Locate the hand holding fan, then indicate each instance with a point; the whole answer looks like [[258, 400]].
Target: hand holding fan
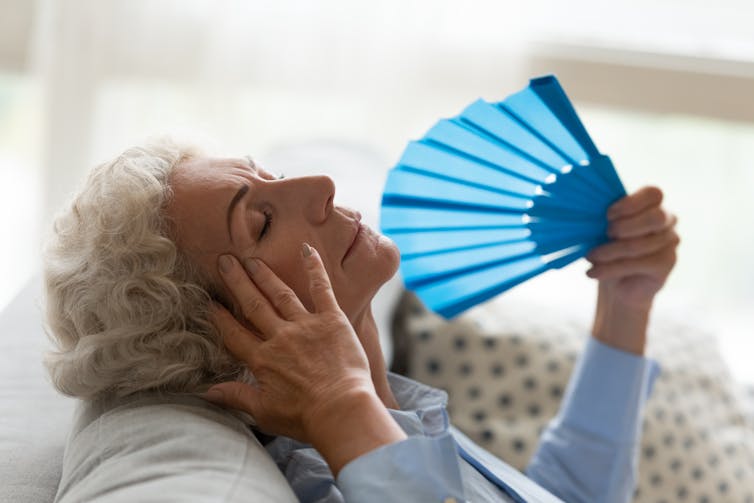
[[495, 196]]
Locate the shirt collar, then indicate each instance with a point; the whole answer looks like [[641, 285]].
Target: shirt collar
[[422, 407], [413, 395]]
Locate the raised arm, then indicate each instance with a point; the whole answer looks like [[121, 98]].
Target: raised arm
[[588, 452]]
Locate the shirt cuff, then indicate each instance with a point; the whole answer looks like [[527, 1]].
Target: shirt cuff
[[418, 468], [607, 391]]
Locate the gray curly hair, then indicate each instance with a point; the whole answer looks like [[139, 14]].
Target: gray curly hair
[[127, 311]]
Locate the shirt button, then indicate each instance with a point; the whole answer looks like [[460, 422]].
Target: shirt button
[[450, 500]]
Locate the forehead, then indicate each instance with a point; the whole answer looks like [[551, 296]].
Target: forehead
[[210, 172]]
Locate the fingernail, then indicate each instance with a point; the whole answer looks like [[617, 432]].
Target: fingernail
[[250, 265], [306, 250], [226, 263], [213, 395]]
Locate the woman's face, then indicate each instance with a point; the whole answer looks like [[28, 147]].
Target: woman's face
[[229, 206]]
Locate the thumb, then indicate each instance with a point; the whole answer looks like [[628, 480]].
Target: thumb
[[233, 395]]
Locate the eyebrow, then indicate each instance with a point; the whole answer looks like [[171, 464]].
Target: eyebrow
[[233, 202]]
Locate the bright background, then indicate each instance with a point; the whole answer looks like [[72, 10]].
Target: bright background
[[666, 87]]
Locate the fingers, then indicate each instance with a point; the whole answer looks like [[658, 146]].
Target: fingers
[[254, 305], [649, 221], [233, 395], [658, 265], [281, 295], [319, 282], [633, 247], [637, 202], [241, 343]]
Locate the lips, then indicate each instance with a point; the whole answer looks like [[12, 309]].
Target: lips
[[357, 232]]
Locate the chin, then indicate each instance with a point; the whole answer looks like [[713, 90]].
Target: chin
[[381, 265], [389, 253]]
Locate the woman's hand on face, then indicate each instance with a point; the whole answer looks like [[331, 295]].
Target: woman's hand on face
[[306, 364], [634, 266]]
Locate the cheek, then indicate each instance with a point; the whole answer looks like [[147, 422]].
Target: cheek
[[290, 269], [352, 288]]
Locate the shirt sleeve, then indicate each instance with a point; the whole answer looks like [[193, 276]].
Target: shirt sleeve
[[418, 468], [588, 452]]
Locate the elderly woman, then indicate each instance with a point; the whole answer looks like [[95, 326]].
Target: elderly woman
[[166, 258]]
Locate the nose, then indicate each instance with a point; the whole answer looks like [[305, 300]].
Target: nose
[[313, 194]]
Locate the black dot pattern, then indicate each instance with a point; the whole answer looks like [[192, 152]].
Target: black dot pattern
[[530, 383], [480, 416], [460, 343], [556, 391], [507, 371], [465, 369], [497, 369], [505, 400], [433, 366]]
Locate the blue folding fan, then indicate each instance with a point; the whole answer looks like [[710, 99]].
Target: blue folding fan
[[495, 196]]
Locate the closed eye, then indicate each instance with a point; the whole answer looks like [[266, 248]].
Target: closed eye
[[266, 225], [267, 214]]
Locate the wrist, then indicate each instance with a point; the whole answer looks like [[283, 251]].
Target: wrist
[[349, 426], [621, 325]]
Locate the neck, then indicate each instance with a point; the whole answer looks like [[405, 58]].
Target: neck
[[366, 330]]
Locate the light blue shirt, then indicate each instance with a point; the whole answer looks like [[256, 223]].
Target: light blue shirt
[[586, 454]]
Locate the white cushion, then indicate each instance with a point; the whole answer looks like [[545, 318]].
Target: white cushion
[[181, 449], [34, 419], [153, 448], [505, 366]]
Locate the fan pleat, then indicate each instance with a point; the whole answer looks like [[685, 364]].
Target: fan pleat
[[425, 187], [445, 240], [503, 127], [397, 219], [430, 159], [603, 166], [460, 138], [534, 114], [550, 92], [456, 294], [572, 187], [427, 269]]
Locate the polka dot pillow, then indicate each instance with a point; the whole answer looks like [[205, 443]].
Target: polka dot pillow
[[505, 367]]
